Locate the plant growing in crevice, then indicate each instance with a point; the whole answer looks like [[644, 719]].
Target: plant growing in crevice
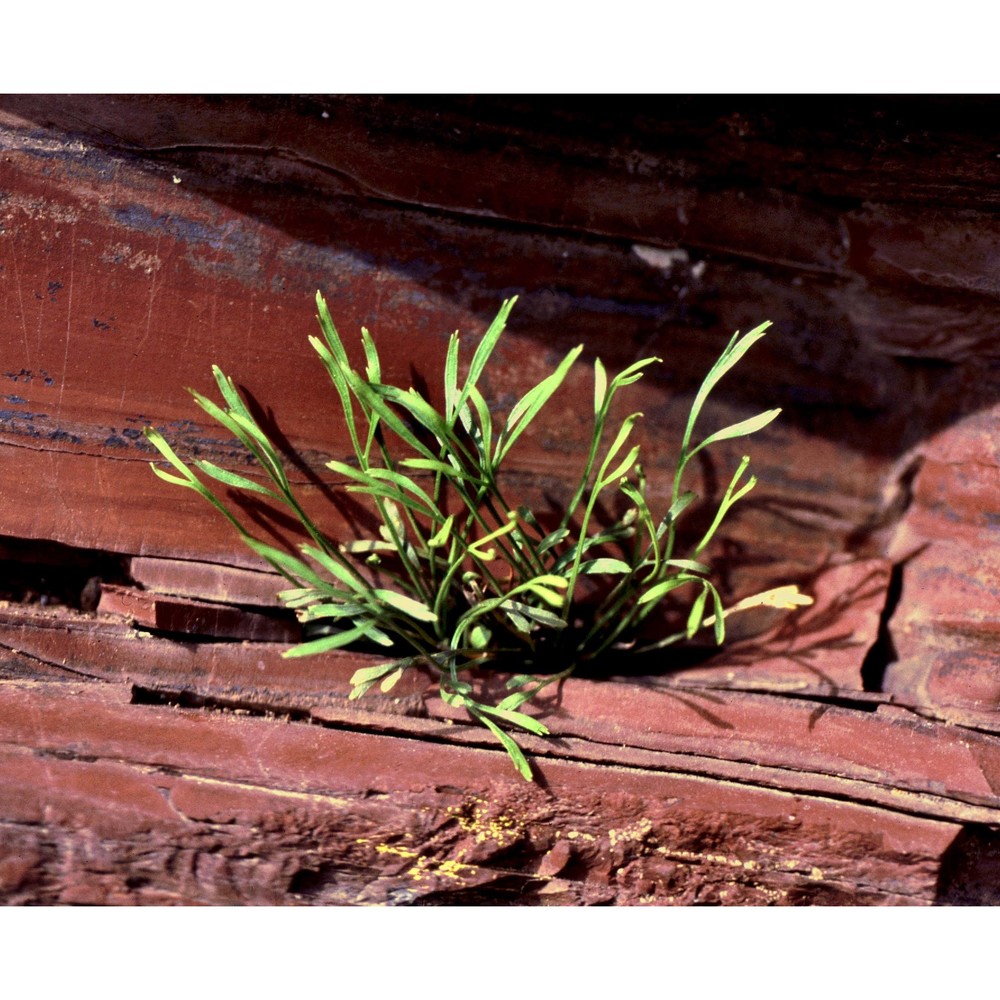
[[458, 578]]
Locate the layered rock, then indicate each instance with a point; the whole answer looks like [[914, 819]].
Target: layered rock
[[143, 239]]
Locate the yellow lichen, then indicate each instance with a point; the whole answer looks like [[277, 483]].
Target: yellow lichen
[[634, 832], [399, 851], [503, 829], [429, 868]]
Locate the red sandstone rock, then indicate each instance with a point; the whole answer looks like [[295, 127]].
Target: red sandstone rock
[[660, 231], [208, 581], [817, 649], [172, 614], [196, 808], [946, 629]]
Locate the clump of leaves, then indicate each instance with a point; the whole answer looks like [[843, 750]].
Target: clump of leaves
[[457, 578]]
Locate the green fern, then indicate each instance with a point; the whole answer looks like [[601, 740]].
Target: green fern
[[458, 579]]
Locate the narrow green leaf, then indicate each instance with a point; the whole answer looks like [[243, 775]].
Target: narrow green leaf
[[744, 489], [460, 687], [519, 681], [479, 636], [228, 389], [528, 407], [633, 373], [390, 682], [390, 493], [406, 485], [515, 719], [368, 675], [232, 479], [436, 465], [369, 396], [333, 340], [679, 506], [636, 496], [513, 750], [719, 625], [689, 564], [538, 585], [365, 546], [440, 537], [568, 558], [483, 435], [342, 609], [730, 497], [365, 674], [539, 615], [346, 575], [232, 420], [600, 385], [526, 515], [623, 432], [696, 613], [373, 371], [394, 524], [329, 361], [484, 350], [451, 379], [169, 477], [295, 597], [660, 590], [520, 623], [415, 404], [326, 643], [551, 597], [159, 442], [409, 606], [553, 538], [289, 563], [734, 350], [605, 565], [476, 548], [375, 634], [456, 697], [741, 429], [335, 369], [534, 399], [378, 482], [622, 467]]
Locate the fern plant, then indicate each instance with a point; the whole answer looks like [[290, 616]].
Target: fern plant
[[457, 578]]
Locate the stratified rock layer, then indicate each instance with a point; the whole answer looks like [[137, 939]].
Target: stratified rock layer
[[162, 750]]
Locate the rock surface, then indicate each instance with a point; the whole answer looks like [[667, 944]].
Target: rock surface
[[163, 750]]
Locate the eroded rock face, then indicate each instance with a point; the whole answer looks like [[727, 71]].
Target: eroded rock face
[[143, 239], [946, 627], [105, 801]]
